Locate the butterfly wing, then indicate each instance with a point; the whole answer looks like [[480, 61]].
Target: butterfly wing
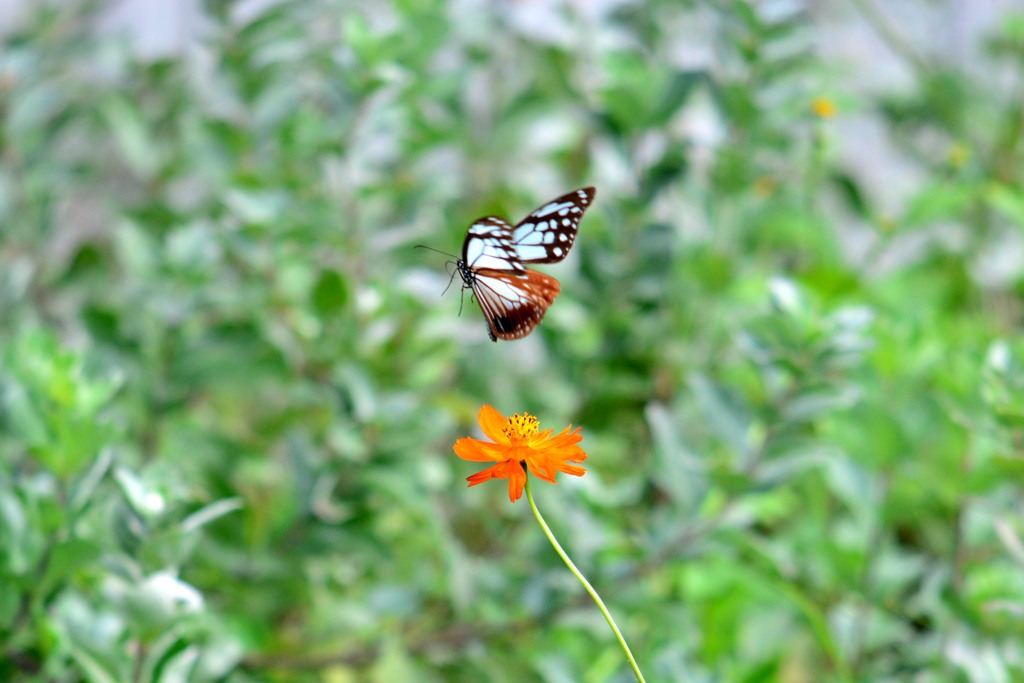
[[513, 303], [489, 245], [547, 234]]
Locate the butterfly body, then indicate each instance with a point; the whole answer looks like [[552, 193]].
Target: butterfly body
[[514, 298]]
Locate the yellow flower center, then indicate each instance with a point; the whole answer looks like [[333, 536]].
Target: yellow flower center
[[823, 107], [520, 427]]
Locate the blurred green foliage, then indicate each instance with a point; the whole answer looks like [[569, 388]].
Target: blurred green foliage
[[229, 388]]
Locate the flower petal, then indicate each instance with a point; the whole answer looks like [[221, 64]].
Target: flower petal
[[495, 472], [508, 469], [516, 482], [493, 424], [542, 470], [563, 439], [568, 454], [469, 448], [546, 467], [553, 455]]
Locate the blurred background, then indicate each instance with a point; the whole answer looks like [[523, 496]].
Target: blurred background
[[790, 330]]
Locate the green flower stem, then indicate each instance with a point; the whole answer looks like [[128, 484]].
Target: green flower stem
[[583, 580]]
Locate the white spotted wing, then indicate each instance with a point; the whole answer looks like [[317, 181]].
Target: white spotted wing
[[547, 234], [512, 297]]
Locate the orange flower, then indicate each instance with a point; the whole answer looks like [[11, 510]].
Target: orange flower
[[516, 445]]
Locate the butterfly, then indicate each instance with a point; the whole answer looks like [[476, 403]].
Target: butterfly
[[512, 297]]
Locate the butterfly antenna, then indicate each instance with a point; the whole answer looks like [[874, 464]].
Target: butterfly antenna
[[423, 246]]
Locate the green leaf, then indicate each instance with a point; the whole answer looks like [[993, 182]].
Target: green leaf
[[330, 294], [1008, 201], [132, 134], [941, 202]]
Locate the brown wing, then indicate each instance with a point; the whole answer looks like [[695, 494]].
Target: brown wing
[[513, 303], [547, 234]]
